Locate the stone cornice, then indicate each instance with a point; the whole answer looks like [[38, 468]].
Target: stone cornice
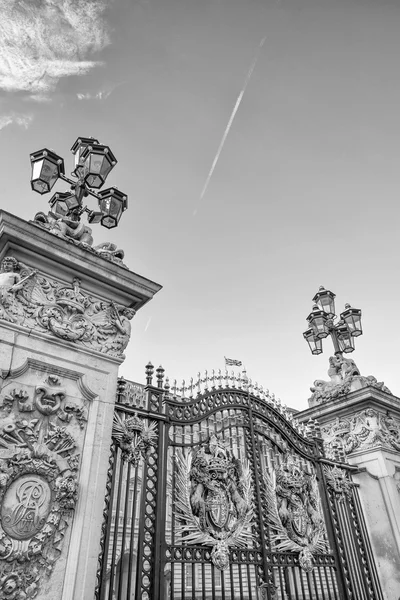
[[59, 258], [359, 399]]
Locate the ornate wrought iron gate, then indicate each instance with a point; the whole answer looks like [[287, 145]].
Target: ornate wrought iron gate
[[219, 494]]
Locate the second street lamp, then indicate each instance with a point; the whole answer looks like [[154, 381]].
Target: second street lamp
[[322, 324]]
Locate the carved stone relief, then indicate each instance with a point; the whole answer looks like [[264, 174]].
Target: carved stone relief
[[73, 230], [65, 311], [344, 378], [294, 512], [39, 463], [364, 430]]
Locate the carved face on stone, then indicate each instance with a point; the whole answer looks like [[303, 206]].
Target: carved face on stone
[[9, 265]]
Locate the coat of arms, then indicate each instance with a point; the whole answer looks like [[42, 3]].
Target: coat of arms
[[214, 499], [293, 512]]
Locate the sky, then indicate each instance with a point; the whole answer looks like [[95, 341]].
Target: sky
[[305, 192]]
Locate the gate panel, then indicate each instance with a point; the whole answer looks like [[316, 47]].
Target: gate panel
[[221, 497]]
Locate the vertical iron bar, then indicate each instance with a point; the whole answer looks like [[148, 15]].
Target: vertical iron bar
[[329, 527], [203, 577], [116, 526], [142, 519], [128, 474], [159, 537], [103, 584], [328, 587], [132, 538], [240, 579], [232, 580], [302, 583], [255, 450]]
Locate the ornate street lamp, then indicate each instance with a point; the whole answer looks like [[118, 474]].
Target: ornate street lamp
[[322, 323], [47, 167], [92, 165]]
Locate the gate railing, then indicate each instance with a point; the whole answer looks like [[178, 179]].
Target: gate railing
[[143, 555]]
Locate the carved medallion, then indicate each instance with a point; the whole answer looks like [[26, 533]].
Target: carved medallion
[[25, 507], [39, 461], [214, 499]]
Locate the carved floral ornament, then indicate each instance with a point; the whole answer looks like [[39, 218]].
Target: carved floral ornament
[[344, 378], [364, 430], [294, 512], [214, 499], [65, 311], [40, 431]]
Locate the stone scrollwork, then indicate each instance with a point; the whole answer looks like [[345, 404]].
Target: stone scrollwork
[[134, 436], [214, 499], [39, 462], [294, 513], [65, 311], [344, 378], [364, 430], [338, 482]]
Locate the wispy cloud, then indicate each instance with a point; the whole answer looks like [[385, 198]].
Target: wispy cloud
[[21, 120], [42, 41], [102, 94], [99, 96]]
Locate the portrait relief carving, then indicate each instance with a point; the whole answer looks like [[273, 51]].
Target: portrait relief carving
[[64, 310], [39, 464]]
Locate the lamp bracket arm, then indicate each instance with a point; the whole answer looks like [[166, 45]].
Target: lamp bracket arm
[[67, 179], [92, 193]]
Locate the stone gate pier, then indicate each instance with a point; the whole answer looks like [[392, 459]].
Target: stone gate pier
[[359, 419], [65, 312]]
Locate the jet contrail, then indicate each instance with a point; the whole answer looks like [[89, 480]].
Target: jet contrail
[[235, 109]]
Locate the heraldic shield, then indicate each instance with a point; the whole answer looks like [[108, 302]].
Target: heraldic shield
[[214, 499]]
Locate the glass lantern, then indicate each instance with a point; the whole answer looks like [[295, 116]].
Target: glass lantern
[[345, 339], [314, 343], [352, 318], [318, 322], [58, 205], [112, 204], [46, 169], [77, 150], [97, 161], [326, 300], [64, 203]]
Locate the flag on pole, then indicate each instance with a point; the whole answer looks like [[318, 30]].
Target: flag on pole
[[230, 362]]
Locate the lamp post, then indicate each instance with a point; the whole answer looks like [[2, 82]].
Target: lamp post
[[93, 163], [321, 322]]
